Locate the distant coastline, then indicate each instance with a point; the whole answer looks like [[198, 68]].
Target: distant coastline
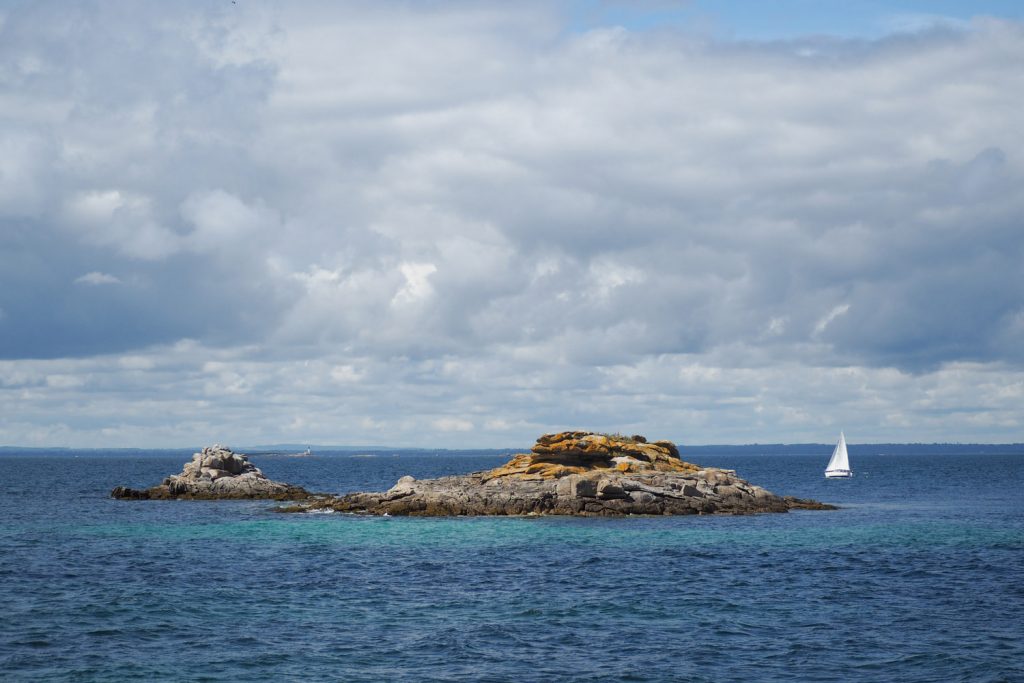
[[880, 448]]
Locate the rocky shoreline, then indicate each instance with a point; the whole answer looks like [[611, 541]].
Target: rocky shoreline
[[568, 473], [574, 473], [216, 473]]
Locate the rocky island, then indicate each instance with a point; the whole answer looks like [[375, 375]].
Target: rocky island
[[574, 473], [216, 473]]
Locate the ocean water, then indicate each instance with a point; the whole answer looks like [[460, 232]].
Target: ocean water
[[919, 577]]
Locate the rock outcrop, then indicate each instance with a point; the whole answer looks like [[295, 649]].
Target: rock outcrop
[[575, 473], [216, 473]]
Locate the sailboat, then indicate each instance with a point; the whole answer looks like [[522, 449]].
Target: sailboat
[[839, 464]]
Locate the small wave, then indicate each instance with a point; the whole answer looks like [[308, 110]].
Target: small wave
[[104, 632], [34, 643]]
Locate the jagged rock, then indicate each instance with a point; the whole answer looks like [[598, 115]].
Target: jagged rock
[[216, 473], [608, 488], [575, 473], [576, 486]]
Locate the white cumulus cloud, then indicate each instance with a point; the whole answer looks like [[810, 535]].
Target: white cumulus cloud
[[98, 278], [385, 214]]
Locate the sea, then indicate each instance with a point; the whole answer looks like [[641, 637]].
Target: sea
[[919, 576]]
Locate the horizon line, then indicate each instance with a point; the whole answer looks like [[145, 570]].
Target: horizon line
[[328, 447]]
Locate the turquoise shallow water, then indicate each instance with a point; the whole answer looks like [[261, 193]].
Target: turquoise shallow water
[[920, 577]]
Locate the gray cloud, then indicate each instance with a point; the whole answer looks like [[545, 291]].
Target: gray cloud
[[465, 215]]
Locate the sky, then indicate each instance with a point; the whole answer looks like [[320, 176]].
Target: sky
[[463, 224]]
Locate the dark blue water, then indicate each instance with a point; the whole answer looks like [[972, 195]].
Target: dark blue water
[[920, 577]]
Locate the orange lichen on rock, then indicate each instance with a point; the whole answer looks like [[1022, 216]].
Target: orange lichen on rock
[[574, 473], [565, 453]]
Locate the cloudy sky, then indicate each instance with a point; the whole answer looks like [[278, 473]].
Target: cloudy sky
[[462, 224]]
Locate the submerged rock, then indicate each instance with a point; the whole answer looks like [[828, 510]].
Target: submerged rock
[[216, 473], [575, 473]]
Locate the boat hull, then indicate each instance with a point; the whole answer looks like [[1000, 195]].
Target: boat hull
[[839, 474]]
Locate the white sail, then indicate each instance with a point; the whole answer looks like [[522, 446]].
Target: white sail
[[839, 464]]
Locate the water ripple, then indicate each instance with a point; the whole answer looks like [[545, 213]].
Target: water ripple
[[890, 589]]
